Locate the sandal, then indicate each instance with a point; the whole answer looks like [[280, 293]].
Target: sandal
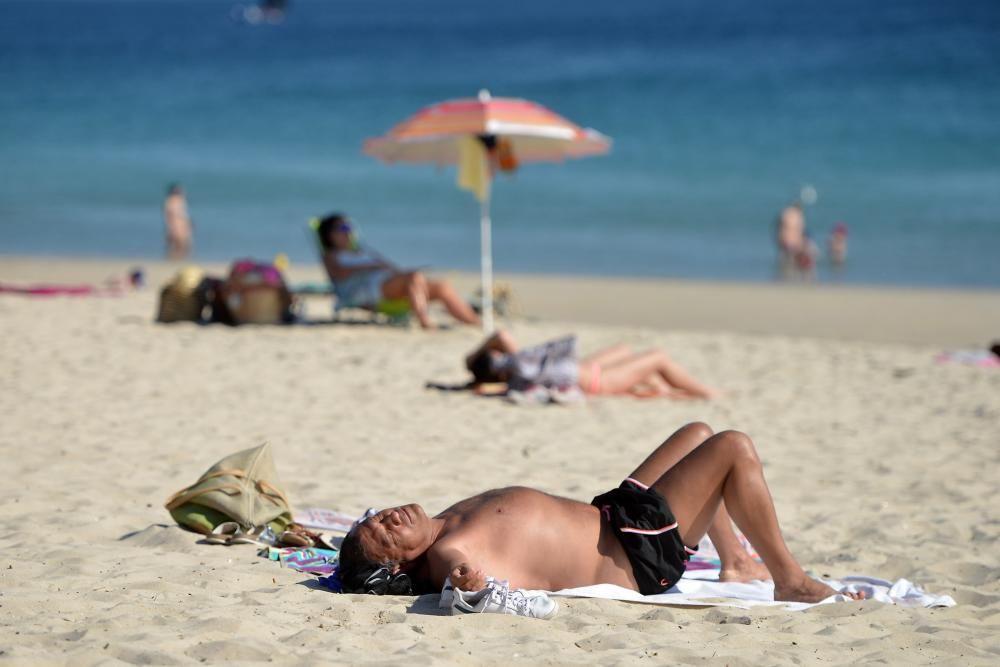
[[297, 535], [223, 533], [229, 533]]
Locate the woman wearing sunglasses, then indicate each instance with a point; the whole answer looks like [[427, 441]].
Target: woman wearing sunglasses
[[362, 277]]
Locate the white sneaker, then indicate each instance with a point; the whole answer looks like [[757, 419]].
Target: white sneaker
[[497, 598], [447, 593]]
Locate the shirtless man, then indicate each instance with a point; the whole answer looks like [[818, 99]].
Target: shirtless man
[[638, 536], [177, 223]]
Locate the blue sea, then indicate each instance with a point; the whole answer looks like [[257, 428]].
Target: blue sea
[[720, 112]]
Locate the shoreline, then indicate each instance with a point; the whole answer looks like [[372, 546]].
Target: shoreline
[[939, 316], [304, 263]]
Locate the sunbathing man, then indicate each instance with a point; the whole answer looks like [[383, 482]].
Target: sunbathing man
[[614, 370], [638, 536]]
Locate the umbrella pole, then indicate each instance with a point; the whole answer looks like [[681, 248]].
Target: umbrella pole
[[486, 263]]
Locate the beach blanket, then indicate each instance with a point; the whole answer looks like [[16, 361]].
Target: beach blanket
[[980, 358], [312, 560], [324, 519], [45, 290], [707, 558]]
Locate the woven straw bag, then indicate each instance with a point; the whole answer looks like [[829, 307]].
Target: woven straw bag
[[256, 293], [180, 299], [243, 487]]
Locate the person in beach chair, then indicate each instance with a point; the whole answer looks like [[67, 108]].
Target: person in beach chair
[[363, 278], [638, 536], [551, 368]]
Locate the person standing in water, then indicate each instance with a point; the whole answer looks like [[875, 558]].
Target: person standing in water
[[837, 245], [790, 237], [177, 223]]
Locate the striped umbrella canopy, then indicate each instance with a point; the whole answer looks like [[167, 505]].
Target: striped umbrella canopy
[[431, 136], [435, 135]]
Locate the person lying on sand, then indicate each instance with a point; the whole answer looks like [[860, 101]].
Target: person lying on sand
[[615, 370], [638, 536]]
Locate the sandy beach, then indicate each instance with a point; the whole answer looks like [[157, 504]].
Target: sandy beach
[[881, 462]]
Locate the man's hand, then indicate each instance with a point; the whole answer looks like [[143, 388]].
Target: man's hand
[[467, 578]]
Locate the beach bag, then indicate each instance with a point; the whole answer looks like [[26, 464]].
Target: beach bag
[[181, 300], [243, 487], [256, 293]]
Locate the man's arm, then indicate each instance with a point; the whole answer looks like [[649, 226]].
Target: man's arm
[[467, 578], [452, 562]]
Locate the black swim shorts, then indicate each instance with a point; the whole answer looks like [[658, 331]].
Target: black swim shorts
[[647, 530]]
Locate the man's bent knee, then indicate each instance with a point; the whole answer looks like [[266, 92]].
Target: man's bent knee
[[701, 429], [740, 445]]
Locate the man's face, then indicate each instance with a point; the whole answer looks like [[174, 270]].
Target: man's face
[[397, 534]]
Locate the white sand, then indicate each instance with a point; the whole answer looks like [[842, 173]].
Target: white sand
[[880, 461]]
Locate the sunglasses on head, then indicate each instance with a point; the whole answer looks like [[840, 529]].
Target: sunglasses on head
[[369, 513], [345, 227]]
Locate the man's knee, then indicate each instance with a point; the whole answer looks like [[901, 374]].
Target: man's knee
[[740, 447], [699, 429]]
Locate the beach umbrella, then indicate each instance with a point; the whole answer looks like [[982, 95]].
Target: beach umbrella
[[480, 135]]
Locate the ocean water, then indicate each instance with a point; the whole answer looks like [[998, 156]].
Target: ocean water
[[720, 112]]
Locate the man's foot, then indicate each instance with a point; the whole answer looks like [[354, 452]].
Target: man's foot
[[810, 590], [745, 569]]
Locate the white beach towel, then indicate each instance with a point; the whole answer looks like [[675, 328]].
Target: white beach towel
[[702, 588]]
